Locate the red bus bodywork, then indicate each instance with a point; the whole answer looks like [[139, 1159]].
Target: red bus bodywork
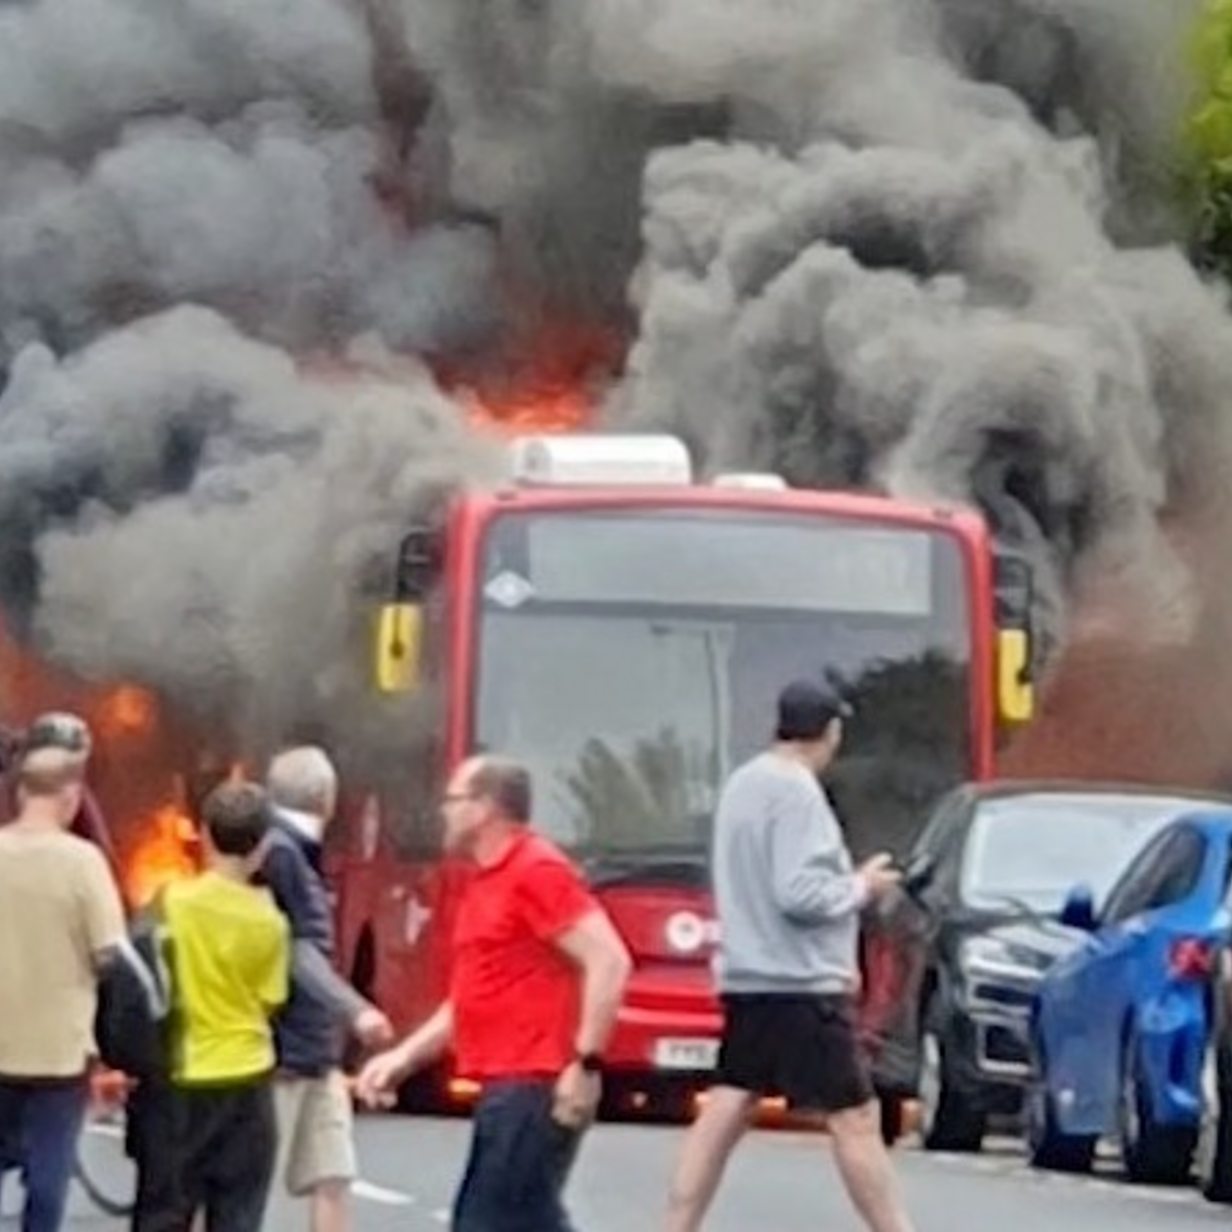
[[395, 915]]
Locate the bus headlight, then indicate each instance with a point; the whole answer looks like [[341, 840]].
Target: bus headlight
[[685, 932]]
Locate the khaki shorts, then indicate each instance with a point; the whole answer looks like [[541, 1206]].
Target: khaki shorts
[[316, 1141]]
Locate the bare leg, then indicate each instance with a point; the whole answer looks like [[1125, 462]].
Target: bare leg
[[707, 1147], [331, 1207], [864, 1164]]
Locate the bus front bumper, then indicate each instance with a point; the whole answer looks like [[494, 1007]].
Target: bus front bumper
[[672, 1044], [669, 1026]]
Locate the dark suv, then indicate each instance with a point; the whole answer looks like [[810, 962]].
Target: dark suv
[[966, 947]]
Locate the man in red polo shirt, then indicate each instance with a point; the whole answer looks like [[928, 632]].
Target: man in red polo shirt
[[538, 976]]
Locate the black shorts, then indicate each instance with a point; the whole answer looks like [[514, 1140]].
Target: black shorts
[[801, 1048]]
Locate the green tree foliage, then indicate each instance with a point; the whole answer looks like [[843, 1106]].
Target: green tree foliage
[[648, 799], [906, 745], [1208, 133]]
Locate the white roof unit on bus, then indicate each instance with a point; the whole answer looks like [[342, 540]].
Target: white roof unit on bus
[[754, 481], [586, 461]]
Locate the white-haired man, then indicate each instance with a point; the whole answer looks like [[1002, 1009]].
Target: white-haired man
[[316, 1139]]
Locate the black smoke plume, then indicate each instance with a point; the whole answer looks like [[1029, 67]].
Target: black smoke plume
[[922, 247]]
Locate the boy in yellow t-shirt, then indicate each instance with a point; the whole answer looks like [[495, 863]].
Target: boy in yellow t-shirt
[[230, 958]]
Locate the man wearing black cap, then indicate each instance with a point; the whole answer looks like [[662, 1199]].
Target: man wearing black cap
[[789, 902]]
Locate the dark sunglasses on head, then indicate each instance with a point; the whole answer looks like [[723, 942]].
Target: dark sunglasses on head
[[58, 731]]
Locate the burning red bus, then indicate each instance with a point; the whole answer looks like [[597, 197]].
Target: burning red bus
[[623, 630]]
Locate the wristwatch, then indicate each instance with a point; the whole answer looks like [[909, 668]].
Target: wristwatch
[[591, 1062]]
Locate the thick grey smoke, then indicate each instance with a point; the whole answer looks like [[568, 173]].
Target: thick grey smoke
[[206, 517], [182, 504], [921, 293], [939, 327], [892, 243], [224, 154], [924, 247], [546, 110]]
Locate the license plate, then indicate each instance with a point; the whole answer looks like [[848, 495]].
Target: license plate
[[696, 1054]]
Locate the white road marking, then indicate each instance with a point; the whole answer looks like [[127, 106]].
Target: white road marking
[[378, 1193], [441, 1216]]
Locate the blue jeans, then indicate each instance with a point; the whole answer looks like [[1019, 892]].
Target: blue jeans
[[519, 1162], [39, 1127]]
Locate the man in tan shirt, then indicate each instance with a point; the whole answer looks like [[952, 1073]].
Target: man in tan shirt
[[60, 920]]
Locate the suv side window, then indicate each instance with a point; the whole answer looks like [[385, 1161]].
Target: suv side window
[[942, 827], [942, 843]]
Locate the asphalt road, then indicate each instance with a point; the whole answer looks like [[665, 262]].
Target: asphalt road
[[780, 1182]]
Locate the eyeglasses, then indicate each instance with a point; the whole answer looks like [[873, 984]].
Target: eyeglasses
[[456, 797]]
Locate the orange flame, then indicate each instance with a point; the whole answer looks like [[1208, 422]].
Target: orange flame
[[126, 711], [168, 847], [547, 380], [564, 410], [550, 381], [164, 853], [138, 749]]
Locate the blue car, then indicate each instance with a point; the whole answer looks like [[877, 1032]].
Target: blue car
[[1120, 1024]]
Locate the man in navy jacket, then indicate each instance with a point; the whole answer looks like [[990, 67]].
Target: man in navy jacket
[[316, 1139]]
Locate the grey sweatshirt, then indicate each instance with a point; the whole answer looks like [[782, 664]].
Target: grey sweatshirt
[[788, 901]]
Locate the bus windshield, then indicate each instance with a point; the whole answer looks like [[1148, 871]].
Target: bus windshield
[[631, 659]]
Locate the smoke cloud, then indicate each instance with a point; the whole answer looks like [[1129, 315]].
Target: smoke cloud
[[923, 293], [194, 198], [925, 248], [183, 507], [157, 154]]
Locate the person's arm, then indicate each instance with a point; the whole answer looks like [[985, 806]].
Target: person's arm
[[102, 912], [293, 883], [561, 911], [301, 898], [382, 1074], [595, 946], [314, 973], [812, 876], [428, 1043]]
